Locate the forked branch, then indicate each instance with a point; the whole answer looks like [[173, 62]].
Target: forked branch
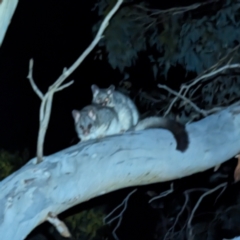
[[46, 104]]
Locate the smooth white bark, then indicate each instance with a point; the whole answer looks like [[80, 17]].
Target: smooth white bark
[[93, 168], [7, 8]]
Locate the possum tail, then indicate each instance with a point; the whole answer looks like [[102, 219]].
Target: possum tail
[[178, 130]]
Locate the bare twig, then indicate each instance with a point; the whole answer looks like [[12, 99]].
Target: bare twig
[[30, 77], [189, 227], [46, 104], [163, 194], [59, 225], [177, 218], [65, 86], [184, 98], [184, 89], [222, 60], [153, 19], [176, 10], [171, 229], [119, 216], [207, 75], [219, 195]]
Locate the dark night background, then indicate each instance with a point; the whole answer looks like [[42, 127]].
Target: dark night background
[[54, 34]]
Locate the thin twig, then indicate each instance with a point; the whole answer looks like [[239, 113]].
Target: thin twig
[[184, 89], [30, 77], [120, 215], [65, 86], [176, 10], [236, 65], [189, 227], [114, 210], [209, 72], [184, 98], [177, 218], [163, 194], [59, 225]]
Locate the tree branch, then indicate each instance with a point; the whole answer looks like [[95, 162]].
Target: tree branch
[[189, 226], [33, 84], [96, 167], [184, 98], [59, 225], [46, 105], [184, 88]]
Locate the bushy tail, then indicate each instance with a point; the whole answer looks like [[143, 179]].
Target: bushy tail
[[177, 129]]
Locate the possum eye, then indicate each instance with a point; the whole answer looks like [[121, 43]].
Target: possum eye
[[81, 127], [89, 126]]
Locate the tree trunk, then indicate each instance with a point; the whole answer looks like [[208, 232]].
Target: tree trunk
[[7, 8]]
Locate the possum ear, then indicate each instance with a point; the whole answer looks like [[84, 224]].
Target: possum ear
[[92, 115], [76, 115], [111, 88], [95, 89]]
